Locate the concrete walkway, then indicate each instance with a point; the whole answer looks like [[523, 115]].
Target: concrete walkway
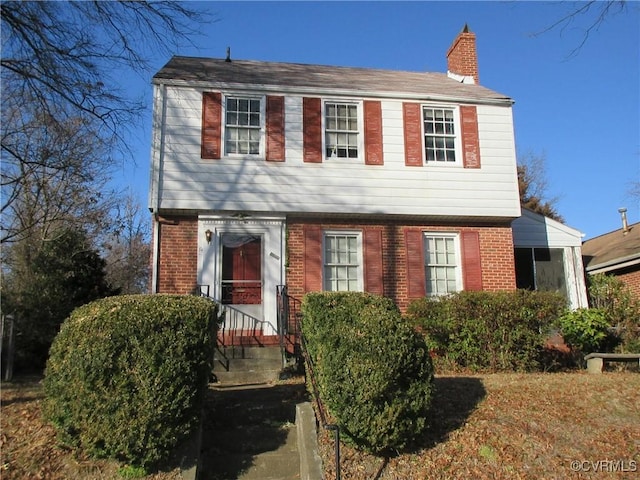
[[249, 433]]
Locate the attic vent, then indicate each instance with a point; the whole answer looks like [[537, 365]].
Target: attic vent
[[228, 59]]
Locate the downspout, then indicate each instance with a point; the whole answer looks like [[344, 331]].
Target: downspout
[[157, 156], [155, 262]]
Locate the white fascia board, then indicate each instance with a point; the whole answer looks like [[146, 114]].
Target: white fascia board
[[616, 264], [297, 90]]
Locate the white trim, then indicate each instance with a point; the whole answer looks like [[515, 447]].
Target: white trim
[[615, 264], [360, 116], [457, 125], [456, 239], [209, 267], [261, 155], [358, 235]]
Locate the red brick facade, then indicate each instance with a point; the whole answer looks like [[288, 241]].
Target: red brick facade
[[495, 243], [387, 268], [462, 57], [631, 278], [177, 255]]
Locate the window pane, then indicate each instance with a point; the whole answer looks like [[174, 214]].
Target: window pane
[[243, 122], [439, 134], [341, 130], [440, 264], [342, 262]]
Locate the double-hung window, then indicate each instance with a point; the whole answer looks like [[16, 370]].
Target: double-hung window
[[342, 261], [342, 135], [440, 133], [243, 125], [442, 263]]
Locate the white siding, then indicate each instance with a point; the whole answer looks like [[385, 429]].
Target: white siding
[[185, 181], [534, 230]]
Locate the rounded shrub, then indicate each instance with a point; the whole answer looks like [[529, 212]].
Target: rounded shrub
[[126, 375], [374, 370]]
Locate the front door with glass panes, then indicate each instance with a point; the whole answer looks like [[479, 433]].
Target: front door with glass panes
[[241, 269]]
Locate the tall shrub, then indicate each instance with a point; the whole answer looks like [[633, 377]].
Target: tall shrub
[[622, 311], [374, 371], [126, 375]]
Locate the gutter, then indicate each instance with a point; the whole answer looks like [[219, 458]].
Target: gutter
[[615, 264]]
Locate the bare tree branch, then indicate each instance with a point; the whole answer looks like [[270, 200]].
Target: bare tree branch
[[594, 12]]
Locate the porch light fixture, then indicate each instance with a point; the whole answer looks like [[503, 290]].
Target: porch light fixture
[[207, 235]]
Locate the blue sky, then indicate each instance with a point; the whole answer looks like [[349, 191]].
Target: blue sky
[[581, 111]]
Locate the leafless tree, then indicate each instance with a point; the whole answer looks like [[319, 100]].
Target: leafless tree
[[587, 16], [61, 69], [127, 250], [533, 185], [54, 173]]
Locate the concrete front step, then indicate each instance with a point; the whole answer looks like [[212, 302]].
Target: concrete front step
[[247, 365]]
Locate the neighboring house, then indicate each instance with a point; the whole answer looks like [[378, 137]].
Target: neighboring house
[[331, 178], [548, 257], [616, 253]]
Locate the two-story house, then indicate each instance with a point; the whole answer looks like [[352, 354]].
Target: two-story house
[[330, 178]]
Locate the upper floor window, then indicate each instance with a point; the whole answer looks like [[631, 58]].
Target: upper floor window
[[343, 261], [341, 130], [243, 125], [442, 263], [439, 134]]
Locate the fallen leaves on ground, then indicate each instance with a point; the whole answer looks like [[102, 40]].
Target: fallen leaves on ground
[[515, 426], [28, 447]]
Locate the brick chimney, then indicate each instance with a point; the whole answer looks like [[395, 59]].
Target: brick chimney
[[462, 59]]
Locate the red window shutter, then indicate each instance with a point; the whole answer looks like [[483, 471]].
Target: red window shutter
[[373, 133], [211, 120], [373, 273], [275, 128], [312, 129], [312, 259], [470, 138], [471, 264], [412, 134], [416, 280]]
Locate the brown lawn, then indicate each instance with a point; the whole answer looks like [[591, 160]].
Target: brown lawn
[[501, 426], [517, 426]]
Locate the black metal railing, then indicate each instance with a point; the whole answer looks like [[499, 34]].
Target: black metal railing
[[289, 317]]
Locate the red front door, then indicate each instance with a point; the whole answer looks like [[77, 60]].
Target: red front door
[[241, 269]]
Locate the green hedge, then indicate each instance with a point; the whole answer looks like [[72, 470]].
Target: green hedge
[[374, 372], [488, 331], [126, 375]]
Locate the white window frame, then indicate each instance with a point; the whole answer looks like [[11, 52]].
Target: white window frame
[[262, 128], [360, 133], [457, 125], [427, 266], [360, 267]]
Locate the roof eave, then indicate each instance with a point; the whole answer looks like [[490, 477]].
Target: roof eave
[[615, 264], [301, 90]]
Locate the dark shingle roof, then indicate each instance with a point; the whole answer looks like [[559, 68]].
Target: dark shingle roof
[[612, 248], [321, 77]]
